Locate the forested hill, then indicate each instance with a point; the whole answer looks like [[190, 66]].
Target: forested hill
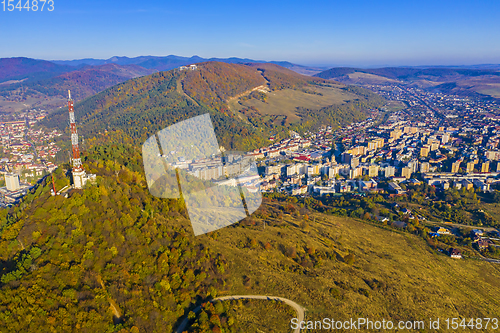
[[84, 82], [114, 258], [144, 105], [26, 68]]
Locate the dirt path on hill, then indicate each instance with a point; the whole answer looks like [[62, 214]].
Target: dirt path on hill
[[181, 91], [299, 309]]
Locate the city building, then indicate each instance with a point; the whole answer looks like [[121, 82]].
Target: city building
[[424, 167], [395, 134], [12, 182], [445, 138], [485, 167], [389, 171], [406, 172], [424, 151], [492, 155], [470, 167], [355, 172], [373, 170], [455, 166], [413, 165]]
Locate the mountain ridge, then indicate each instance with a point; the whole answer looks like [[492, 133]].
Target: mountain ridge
[[48, 88], [27, 68], [26, 83], [88, 80], [164, 62]]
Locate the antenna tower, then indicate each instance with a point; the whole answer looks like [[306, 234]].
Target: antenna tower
[[77, 162]]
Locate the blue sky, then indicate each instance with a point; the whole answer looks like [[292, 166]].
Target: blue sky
[[346, 33]]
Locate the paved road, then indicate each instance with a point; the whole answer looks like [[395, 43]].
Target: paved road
[[458, 225], [494, 261], [300, 310]]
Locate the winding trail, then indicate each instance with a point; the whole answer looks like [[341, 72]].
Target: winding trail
[[299, 309], [230, 99], [112, 305], [181, 91]]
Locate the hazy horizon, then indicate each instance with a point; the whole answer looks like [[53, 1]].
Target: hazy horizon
[[324, 34], [306, 64]]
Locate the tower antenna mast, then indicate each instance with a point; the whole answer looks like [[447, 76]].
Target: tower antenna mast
[[79, 175], [77, 162]]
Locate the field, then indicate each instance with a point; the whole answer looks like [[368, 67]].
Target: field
[[393, 106], [492, 89], [366, 78], [284, 102], [393, 276], [424, 83]]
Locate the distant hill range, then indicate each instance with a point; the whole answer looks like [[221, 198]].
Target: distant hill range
[[27, 83], [12, 69], [248, 103], [480, 80], [173, 61], [83, 82]]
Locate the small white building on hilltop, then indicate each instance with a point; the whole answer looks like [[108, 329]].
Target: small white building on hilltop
[[190, 67]]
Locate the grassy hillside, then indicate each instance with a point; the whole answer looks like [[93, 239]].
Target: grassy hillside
[[112, 258], [393, 275], [16, 100], [244, 316], [479, 87], [144, 105], [311, 106], [359, 77], [286, 101]]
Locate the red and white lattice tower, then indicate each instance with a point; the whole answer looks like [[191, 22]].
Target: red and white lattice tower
[[78, 172]]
